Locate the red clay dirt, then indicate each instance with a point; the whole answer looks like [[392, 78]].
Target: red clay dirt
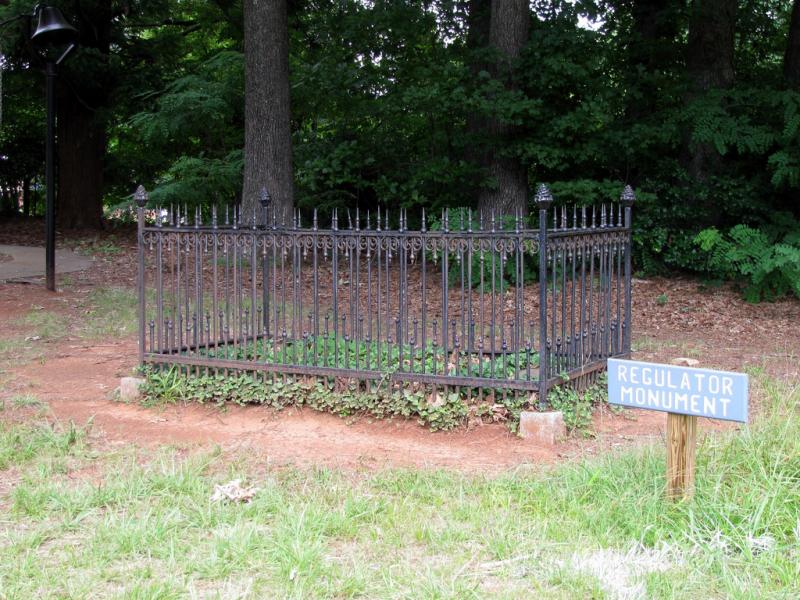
[[77, 379]]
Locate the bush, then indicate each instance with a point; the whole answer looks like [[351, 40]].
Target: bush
[[766, 260]]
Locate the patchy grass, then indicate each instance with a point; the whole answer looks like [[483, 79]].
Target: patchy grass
[[106, 313], [44, 324], [110, 312], [25, 400], [22, 443], [144, 525], [16, 350]]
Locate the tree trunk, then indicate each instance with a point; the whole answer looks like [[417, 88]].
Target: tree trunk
[[791, 60], [709, 65], [508, 34], [81, 160], [81, 126], [651, 51], [476, 152], [268, 140], [711, 42]]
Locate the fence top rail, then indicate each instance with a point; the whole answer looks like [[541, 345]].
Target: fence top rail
[[458, 221], [480, 233]]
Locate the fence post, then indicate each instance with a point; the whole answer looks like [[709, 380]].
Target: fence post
[[543, 199], [140, 197], [627, 199]]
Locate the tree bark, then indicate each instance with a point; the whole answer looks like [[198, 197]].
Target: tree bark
[[81, 124], [81, 161], [709, 66], [508, 34], [654, 22], [479, 14], [791, 59], [651, 51], [268, 141], [711, 42]]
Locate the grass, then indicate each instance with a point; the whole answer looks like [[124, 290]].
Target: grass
[[141, 525], [107, 312], [111, 312]]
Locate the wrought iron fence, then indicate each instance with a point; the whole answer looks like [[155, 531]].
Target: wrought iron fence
[[458, 302]]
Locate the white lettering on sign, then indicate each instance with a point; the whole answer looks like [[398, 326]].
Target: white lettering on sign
[[701, 392]]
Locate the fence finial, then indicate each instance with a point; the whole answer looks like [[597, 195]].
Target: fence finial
[[141, 196], [543, 196], [628, 196]]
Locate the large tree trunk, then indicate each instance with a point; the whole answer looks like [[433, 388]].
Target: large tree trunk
[[479, 13], [81, 161], [268, 141], [81, 126], [711, 42], [709, 65], [651, 51], [791, 60], [508, 34]]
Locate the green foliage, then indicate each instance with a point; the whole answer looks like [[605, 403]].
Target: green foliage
[[19, 444], [340, 353], [343, 397], [767, 260], [577, 406], [388, 99], [488, 271]]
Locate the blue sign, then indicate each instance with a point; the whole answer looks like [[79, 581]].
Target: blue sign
[[683, 390]]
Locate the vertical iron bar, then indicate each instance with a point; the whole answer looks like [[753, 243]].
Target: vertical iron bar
[[544, 200]]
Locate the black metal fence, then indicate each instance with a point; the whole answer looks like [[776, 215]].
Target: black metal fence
[[457, 302]]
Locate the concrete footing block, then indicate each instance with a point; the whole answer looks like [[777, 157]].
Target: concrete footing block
[[542, 427], [130, 389]]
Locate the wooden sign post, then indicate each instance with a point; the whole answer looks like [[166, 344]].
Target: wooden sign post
[[685, 393], [681, 446]]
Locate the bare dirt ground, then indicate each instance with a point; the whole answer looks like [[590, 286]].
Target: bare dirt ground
[[77, 378]]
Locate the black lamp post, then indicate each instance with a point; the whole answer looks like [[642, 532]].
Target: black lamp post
[[54, 37]]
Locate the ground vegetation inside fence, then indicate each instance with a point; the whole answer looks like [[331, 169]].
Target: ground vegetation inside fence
[[388, 357], [438, 408]]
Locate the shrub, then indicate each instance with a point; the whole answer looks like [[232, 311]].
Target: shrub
[[767, 260]]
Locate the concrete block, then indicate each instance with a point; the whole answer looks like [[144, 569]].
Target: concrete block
[[542, 427], [683, 361], [130, 389]]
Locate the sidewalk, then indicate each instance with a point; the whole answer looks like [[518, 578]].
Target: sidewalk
[[27, 262]]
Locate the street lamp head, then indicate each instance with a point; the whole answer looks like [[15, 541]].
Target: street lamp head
[[53, 29]]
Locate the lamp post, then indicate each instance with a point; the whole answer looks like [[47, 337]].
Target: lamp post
[[52, 33]]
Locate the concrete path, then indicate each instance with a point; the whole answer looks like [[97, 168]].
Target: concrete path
[[27, 262]]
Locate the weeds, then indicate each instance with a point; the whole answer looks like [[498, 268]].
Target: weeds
[[589, 528], [438, 409], [577, 406], [21, 443], [111, 313], [340, 396]]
